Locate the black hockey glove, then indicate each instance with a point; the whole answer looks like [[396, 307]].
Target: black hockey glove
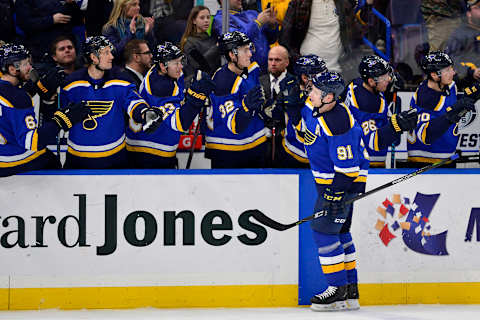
[[200, 89], [151, 119], [397, 83], [254, 100], [292, 95], [48, 83], [473, 92], [72, 114], [333, 201], [460, 108], [404, 121]]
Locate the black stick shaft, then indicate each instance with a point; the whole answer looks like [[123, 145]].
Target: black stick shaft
[[261, 217], [197, 130]]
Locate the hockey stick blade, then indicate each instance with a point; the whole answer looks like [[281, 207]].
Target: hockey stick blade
[[269, 222]]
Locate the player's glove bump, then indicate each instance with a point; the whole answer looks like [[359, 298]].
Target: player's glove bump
[[151, 119], [404, 121], [72, 114]]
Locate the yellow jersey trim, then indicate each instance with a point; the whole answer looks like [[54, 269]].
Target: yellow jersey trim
[[352, 94], [423, 159], [75, 84], [23, 161], [156, 152], [243, 147], [177, 121], [93, 154], [295, 156], [6, 103], [234, 122], [440, 103], [147, 81], [236, 84]]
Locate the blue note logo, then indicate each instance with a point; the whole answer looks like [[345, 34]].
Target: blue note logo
[[401, 217]]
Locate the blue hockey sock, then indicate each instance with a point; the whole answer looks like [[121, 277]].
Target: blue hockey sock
[[331, 256], [350, 257]]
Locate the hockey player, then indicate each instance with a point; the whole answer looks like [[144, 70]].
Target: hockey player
[[294, 93], [22, 142], [98, 142], [436, 135], [235, 133], [163, 88], [367, 102], [339, 163]]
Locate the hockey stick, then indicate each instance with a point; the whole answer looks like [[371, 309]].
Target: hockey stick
[[475, 158], [197, 128], [262, 218], [393, 162], [195, 135]]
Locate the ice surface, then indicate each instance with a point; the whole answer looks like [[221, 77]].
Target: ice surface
[[398, 312]]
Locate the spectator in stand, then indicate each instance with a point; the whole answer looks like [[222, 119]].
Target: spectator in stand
[[64, 62], [97, 15], [43, 21], [138, 59], [200, 49], [7, 24], [170, 17], [126, 23], [64, 53], [441, 17], [320, 28], [261, 28], [464, 46]]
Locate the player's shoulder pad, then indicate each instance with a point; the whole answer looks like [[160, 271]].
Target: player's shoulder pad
[[224, 81], [163, 86], [364, 100], [426, 97], [116, 73], [253, 68], [337, 121], [115, 77], [77, 78], [16, 98]]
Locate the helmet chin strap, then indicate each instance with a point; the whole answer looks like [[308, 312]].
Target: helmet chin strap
[[442, 87], [98, 67], [316, 110]]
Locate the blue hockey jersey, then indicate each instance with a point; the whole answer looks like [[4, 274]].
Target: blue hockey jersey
[[335, 148], [293, 140], [431, 104], [230, 128], [168, 95], [110, 99], [371, 112], [18, 127]]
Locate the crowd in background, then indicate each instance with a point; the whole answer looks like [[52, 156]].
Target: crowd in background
[[282, 31]]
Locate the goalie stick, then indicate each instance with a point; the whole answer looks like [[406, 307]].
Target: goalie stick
[[262, 218]]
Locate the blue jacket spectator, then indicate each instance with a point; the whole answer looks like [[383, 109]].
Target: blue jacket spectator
[[126, 23], [261, 29]]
